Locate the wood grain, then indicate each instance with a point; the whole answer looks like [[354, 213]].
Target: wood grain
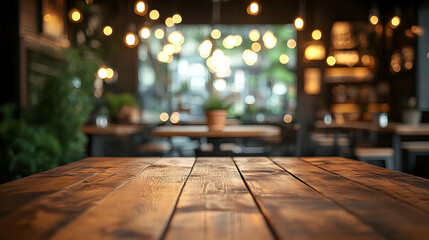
[[295, 210], [18, 193], [41, 218], [411, 190], [215, 204], [387, 215], [140, 209]]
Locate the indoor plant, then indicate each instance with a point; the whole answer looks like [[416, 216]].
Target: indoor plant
[[216, 111]]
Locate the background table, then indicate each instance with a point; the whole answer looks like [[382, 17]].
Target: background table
[[216, 198], [266, 132]]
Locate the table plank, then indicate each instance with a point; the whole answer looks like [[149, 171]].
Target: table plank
[[411, 190], [215, 204], [295, 210], [387, 215], [139, 209], [23, 191], [56, 210]]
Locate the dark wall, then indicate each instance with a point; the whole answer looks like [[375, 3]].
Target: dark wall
[[9, 48]]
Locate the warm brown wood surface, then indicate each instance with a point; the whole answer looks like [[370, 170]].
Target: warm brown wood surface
[[113, 129], [216, 198], [263, 131]]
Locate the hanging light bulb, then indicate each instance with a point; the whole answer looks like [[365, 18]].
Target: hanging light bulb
[[254, 8], [299, 23], [131, 40], [145, 32], [75, 15], [396, 20], [140, 8], [316, 34]]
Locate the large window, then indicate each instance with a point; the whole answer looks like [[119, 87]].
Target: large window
[[251, 66]]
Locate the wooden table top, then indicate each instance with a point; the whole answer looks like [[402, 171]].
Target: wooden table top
[[397, 128], [216, 198], [112, 129], [228, 131]]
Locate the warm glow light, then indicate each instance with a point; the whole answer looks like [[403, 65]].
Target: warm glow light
[[177, 18], [175, 117], [154, 14], [284, 59], [314, 52], [238, 40], [287, 118], [47, 17], [159, 33], [145, 32], [427, 55], [164, 117], [164, 57], [107, 30], [256, 47], [253, 8], [216, 34], [102, 73], [373, 19], [205, 48], [349, 58], [291, 43], [176, 37], [316, 34], [269, 40], [299, 23], [395, 21], [220, 84], [75, 15], [169, 22], [109, 73], [331, 61], [168, 49], [254, 35], [250, 57], [131, 40], [229, 42], [312, 81], [140, 8]]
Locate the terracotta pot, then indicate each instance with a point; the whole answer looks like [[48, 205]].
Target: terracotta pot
[[216, 119]]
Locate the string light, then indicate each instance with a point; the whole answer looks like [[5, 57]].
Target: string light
[[107, 30], [140, 8], [316, 34], [131, 40], [253, 8], [75, 15], [299, 23]]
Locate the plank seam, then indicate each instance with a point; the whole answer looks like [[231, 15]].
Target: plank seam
[[384, 234], [164, 231], [369, 187], [258, 204]]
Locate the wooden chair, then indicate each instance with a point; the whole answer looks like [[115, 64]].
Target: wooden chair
[[371, 154]]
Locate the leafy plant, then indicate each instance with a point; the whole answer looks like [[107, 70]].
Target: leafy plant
[[25, 148], [114, 102], [215, 102]]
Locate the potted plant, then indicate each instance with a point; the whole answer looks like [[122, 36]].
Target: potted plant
[[411, 114], [216, 111]]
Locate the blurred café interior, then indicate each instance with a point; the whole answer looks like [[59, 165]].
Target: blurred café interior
[[139, 77]]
